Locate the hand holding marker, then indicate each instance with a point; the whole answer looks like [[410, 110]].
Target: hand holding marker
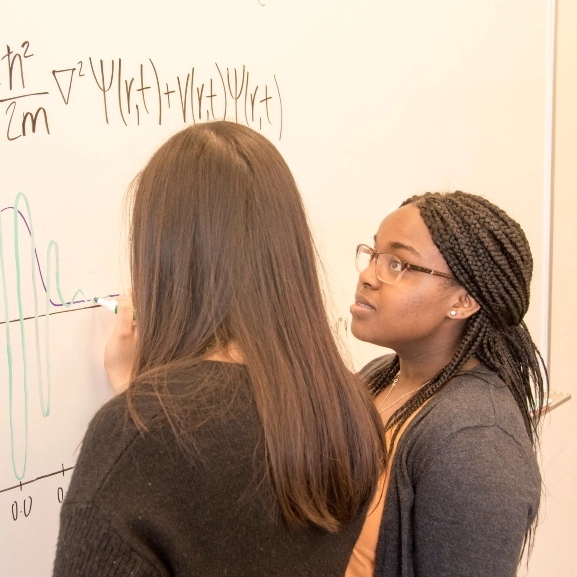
[[121, 346], [111, 305]]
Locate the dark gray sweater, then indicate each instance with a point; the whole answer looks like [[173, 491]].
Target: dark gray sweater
[[464, 485], [137, 505]]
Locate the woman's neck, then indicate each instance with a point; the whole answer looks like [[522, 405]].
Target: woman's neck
[[421, 367]]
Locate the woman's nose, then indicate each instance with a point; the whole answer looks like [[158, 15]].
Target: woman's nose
[[368, 277]]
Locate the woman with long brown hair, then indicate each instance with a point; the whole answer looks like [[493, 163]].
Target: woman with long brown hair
[[446, 287], [242, 445]]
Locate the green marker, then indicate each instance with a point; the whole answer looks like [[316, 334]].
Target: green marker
[[111, 305]]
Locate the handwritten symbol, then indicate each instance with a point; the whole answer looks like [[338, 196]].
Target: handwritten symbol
[[56, 74]]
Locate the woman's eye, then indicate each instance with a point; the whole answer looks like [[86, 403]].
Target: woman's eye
[[395, 265]]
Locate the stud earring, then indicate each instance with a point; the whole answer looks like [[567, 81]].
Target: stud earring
[[453, 313]]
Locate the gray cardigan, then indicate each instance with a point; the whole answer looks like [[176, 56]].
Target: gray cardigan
[[464, 486]]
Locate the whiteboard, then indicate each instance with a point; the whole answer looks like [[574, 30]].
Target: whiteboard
[[369, 102]]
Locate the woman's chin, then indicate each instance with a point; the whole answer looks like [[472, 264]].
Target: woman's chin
[[360, 331], [363, 333]]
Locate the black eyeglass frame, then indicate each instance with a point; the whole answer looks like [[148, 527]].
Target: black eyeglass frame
[[406, 265]]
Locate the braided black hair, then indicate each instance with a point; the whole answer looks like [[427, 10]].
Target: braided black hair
[[488, 253]]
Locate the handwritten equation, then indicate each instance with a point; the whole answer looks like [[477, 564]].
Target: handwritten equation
[[138, 94]]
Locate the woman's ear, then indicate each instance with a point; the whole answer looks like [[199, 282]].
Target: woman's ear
[[464, 307]]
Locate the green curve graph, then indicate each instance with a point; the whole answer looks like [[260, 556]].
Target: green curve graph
[[42, 351]]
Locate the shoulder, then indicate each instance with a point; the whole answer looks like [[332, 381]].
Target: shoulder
[[472, 423], [109, 433], [475, 398], [108, 447], [208, 413]]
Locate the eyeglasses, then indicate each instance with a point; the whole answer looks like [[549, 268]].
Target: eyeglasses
[[390, 268]]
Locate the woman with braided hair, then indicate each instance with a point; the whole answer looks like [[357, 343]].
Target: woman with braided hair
[[459, 397]]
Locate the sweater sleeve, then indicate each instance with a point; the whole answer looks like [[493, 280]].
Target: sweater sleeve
[[474, 501], [88, 545]]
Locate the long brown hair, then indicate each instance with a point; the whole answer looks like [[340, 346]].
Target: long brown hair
[[221, 250]]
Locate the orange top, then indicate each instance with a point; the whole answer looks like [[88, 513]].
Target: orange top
[[362, 561]]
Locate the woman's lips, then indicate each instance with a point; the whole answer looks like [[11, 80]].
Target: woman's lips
[[363, 303]]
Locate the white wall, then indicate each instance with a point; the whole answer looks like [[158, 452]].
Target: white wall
[[555, 553], [380, 100]]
